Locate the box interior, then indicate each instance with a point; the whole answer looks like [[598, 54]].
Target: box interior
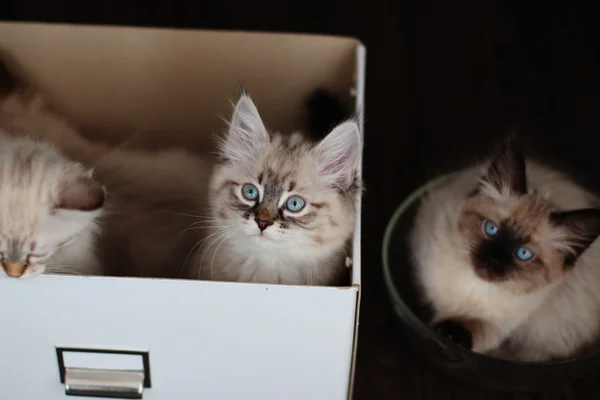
[[152, 81]]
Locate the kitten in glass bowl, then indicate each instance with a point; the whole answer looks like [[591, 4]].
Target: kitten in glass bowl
[[508, 259]]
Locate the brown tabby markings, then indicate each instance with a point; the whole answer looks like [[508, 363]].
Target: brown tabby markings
[[267, 209], [225, 185], [266, 212], [304, 220], [235, 201]]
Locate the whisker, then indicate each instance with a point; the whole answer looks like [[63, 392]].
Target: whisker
[[199, 264], [198, 225], [61, 270], [212, 275], [194, 247], [315, 268]]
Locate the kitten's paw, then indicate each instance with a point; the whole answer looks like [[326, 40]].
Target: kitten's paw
[[348, 262], [455, 332]]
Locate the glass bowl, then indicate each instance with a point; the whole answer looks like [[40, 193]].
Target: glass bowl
[[450, 357]]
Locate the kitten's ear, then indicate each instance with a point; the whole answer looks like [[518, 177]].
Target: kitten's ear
[[246, 131], [83, 193], [582, 228], [338, 155], [507, 169], [80, 201], [8, 81]]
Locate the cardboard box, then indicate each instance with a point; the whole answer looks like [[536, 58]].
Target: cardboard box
[[208, 340]]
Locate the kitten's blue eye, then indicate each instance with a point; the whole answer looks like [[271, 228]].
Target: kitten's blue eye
[[250, 191], [490, 227], [295, 203], [524, 254]]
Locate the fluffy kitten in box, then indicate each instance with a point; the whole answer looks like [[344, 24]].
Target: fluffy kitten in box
[[508, 259], [152, 196], [49, 209], [283, 206]]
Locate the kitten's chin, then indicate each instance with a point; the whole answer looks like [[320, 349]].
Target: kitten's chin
[[27, 274], [487, 274], [263, 239], [260, 237]]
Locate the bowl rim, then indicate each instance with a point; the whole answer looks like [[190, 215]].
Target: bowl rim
[[414, 320]]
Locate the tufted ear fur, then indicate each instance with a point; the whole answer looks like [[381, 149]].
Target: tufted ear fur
[[246, 134], [507, 169], [338, 155], [83, 193], [80, 202], [582, 228]]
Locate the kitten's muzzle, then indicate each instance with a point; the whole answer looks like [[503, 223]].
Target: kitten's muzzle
[[492, 261], [263, 223], [14, 269]]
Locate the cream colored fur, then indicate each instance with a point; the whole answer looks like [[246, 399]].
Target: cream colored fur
[[32, 231], [154, 197], [555, 322]]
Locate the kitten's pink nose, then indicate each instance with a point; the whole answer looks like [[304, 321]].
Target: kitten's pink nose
[[13, 269], [263, 224]]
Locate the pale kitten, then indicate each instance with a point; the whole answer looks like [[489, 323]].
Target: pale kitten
[[282, 207], [508, 259], [49, 207], [150, 221]]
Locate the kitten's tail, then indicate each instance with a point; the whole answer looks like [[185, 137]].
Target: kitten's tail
[[325, 112]]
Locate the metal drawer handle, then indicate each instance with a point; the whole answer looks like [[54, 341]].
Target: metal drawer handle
[[84, 374], [104, 383]]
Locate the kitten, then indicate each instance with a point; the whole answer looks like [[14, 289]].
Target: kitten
[[283, 207], [49, 207], [508, 259], [151, 218]]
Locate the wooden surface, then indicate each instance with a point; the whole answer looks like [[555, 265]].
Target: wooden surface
[[445, 80]]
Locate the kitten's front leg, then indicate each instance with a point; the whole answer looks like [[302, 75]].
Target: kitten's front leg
[[486, 336], [455, 332], [475, 335]]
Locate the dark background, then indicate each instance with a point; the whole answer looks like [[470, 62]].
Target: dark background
[[445, 81]]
